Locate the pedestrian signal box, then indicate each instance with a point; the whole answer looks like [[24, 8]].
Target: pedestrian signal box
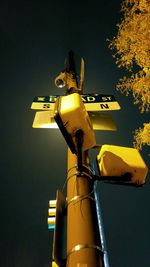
[[52, 214], [118, 161]]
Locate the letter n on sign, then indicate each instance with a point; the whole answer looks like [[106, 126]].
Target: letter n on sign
[[104, 106]]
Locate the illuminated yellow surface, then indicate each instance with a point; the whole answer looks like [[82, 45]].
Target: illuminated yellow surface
[[99, 121], [117, 160], [44, 119], [43, 106], [70, 103], [102, 106], [40, 98], [52, 211], [54, 264], [51, 220], [52, 203], [74, 117]]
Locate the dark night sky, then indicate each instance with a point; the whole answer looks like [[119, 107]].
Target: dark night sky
[[35, 39]]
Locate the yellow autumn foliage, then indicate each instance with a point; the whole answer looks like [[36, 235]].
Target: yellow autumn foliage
[[132, 52], [139, 85], [132, 42], [132, 47], [142, 136]]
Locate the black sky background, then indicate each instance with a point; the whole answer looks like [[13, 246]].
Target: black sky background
[[35, 39]]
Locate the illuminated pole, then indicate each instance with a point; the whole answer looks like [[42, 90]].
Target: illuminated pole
[[125, 166], [83, 244]]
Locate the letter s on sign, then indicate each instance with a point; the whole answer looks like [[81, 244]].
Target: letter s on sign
[[46, 105]]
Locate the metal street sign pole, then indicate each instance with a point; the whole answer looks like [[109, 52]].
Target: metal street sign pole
[[82, 238], [83, 244], [85, 235]]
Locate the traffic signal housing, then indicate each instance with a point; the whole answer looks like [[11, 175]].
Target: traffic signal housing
[[71, 116], [121, 164]]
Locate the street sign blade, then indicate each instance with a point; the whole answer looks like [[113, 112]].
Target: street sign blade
[[102, 106], [42, 106], [44, 102], [93, 102], [100, 121], [44, 119]]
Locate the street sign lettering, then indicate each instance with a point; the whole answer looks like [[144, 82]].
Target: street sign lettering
[[93, 102], [88, 98], [104, 106], [97, 98], [46, 105]]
